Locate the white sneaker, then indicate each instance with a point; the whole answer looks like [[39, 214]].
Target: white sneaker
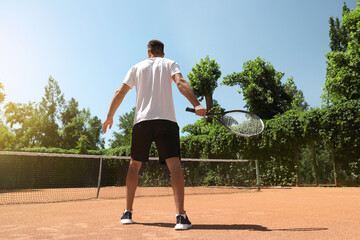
[[182, 222], [127, 217]]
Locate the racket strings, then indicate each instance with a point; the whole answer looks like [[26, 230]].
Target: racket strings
[[242, 123]]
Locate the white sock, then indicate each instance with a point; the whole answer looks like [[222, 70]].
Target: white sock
[[184, 215]]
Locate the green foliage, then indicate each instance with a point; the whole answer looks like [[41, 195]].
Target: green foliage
[[123, 138], [50, 107], [209, 139], [343, 69], [203, 80], [82, 144], [73, 123], [77, 123], [276, 172], [25, 122], [120, 151], [311, 122], [49, 150], [341, 124], [355, 170], [284, 148], [93, 131], [7, 139], [2, 93], [324, 165], [298, 99], [51, 123], [263, 91], [285, 129]]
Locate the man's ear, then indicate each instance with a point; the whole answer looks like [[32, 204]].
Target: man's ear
[[163, 55], [149, 54]]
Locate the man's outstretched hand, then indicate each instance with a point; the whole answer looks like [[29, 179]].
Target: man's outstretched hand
[[108, 122]]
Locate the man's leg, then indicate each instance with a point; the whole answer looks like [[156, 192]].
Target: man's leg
[[132, 182], [177, 183]]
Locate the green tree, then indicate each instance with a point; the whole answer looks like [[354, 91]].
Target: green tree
[[123, 138], [82, 144], [52, 123], [77, 123], [298, 100], [93, 132], [263, 90], [343, 69], [25, 122], [72, 124], [7, 139], [338, 33], [2, 93], [203, 80], [50, 108]]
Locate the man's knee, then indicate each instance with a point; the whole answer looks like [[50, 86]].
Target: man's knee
[[174, 166], [134, 165]]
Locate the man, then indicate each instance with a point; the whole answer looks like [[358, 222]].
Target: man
[[155, 121]]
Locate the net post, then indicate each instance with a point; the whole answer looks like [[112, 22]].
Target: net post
[[99, 179], [257, 174]]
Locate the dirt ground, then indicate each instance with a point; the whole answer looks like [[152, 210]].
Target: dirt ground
[[216, 213]]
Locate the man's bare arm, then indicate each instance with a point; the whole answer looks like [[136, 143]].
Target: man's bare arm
[[186, 90], [115, 103]]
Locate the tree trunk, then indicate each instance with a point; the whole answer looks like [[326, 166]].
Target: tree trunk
[[209, 102], [313, 153], [334, 164]]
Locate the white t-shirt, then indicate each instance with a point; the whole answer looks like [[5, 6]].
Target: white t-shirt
[[152, 79]]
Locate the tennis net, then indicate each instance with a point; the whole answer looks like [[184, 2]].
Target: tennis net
[[27, 177]]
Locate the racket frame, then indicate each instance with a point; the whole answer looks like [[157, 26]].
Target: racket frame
[[213, 116]]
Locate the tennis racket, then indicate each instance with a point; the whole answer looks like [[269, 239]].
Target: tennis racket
[[239, 122]]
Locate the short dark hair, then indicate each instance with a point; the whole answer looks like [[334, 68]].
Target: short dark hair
[[156, 47]]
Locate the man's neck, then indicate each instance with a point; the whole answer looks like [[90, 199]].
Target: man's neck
[[153, 56]]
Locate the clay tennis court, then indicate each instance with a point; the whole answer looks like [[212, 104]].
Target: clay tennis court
[[216, 213]]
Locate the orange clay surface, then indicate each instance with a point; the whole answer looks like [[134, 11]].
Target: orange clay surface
[[216, 213]]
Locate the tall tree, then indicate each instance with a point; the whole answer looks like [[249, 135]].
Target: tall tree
[[72, 125], [338, 33], [343, 69], [203, 80], [50, 107], [263, 90]]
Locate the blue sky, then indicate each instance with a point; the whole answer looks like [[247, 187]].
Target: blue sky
[[88, 46]]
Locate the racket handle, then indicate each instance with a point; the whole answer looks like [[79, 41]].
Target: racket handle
[[190, 109]]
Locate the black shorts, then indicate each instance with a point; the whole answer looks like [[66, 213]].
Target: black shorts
[[165, 133]]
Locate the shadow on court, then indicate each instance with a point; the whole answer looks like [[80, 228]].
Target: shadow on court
[[233, 227]]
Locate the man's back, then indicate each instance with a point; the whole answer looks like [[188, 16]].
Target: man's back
[[152, 79]]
